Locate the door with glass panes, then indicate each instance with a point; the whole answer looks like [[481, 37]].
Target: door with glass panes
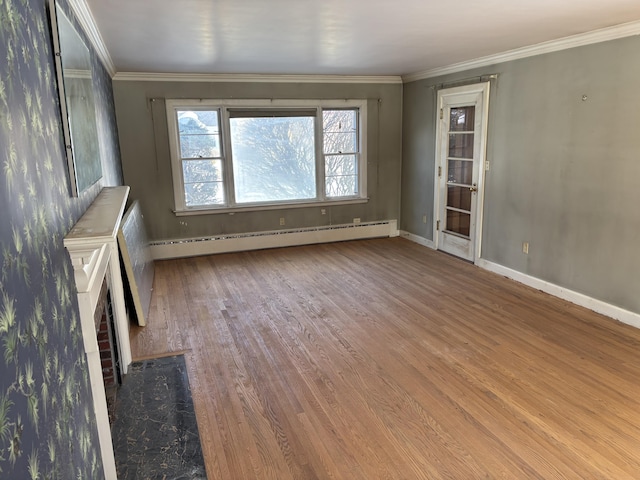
[[460, 168]]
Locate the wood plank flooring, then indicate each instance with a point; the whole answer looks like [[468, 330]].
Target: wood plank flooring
[[382, 359]]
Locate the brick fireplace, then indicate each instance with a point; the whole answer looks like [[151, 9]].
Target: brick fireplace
[[107, 339]]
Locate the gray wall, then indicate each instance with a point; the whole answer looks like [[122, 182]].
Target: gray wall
[[144, 144], [564, 171]]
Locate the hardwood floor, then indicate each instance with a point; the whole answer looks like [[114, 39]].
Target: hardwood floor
[[382, 359]]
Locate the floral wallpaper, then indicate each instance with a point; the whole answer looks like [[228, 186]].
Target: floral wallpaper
[[47, 429]]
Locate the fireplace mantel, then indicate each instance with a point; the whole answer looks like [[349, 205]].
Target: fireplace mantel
[[93, 247]]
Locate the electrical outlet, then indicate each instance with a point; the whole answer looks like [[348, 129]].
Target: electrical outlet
[[356, 220], [281, 221], [323, 211], [525, 247], [424, 219]]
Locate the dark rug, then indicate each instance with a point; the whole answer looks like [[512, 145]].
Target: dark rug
[[155, 434]]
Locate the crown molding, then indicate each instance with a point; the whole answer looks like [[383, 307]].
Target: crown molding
[[252, 78], [597, 36], [85, 17], [88, 23]]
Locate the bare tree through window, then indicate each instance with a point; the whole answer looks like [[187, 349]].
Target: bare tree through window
[[272, 155]]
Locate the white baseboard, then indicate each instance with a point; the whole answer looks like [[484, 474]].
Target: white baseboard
[[425, 242], [272, 239], [617, 313]]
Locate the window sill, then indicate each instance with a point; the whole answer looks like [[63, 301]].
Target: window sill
[[262, 207]]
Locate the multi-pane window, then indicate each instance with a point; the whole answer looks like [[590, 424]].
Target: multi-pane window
[[340, 145], [201, 157], [234, 154]]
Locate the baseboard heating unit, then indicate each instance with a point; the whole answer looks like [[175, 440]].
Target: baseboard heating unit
[[272, 239]]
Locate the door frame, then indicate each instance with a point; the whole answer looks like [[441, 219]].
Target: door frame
[[482, 89]]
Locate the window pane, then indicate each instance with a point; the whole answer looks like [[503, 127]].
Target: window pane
[[340, 128], [341, 175], [199, 133], [459, 197], [202, 171], [340, 165], [461, 145], [462, 119], [346, 119], [273, 158], [460, 171], [340, 142], [341, 186], [458, 222], [203, 193]]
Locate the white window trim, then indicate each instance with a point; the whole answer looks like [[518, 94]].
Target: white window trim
[[180, 207]]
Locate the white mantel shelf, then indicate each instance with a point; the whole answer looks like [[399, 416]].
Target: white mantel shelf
[[100, 222], [93, 247]]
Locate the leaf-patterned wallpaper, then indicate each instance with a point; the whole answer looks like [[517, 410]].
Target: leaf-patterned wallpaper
[[47, 430]]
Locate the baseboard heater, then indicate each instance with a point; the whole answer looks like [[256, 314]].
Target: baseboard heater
[[272, 239]]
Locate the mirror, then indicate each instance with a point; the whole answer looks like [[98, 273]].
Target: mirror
[[75, 89]]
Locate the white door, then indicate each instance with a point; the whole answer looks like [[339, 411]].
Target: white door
[[460, 166]]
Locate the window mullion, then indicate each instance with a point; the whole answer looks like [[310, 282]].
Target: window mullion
[[227, 154], [176, 160], [362, 151], [357, 153], [320, 172]]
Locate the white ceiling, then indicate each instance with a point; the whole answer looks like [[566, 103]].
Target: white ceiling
[[335, 37]]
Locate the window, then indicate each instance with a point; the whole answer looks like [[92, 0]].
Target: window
[[234, 154], [273, 156], [340, 145], [201, 157]]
